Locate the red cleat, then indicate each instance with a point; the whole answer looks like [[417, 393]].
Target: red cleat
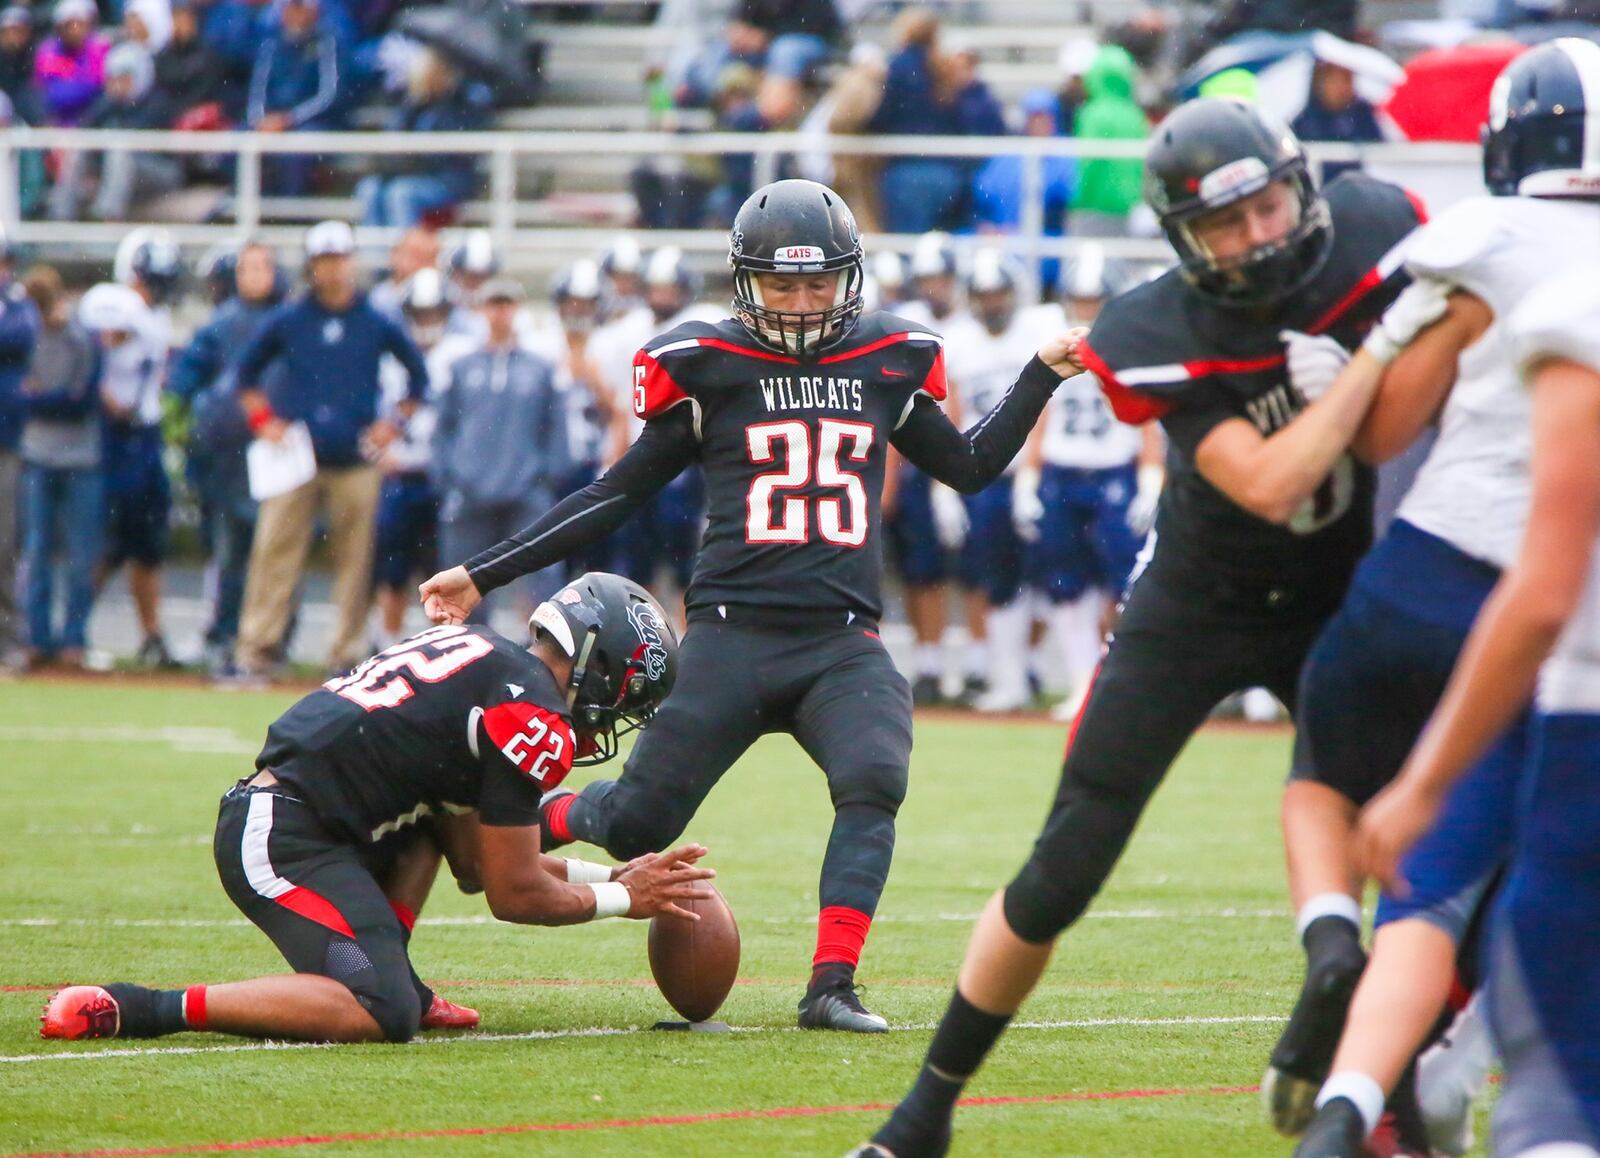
[[444, 1014], [81, 1011]]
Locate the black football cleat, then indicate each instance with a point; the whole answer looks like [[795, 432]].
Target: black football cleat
[[833, 1004], [1304, 1054], [926, 693], [1336, 1131]]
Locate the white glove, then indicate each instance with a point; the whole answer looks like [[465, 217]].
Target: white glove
[[1142, 511], [1314, 362], [949, 517], [1026, 506], [1419, 305]]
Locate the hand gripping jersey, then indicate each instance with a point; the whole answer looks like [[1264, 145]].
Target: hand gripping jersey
[[1562, 320], [1474, 488], [1162, 351], [793, 455], [452, 719]]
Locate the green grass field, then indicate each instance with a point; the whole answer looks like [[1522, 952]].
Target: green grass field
[[1146, 1039]]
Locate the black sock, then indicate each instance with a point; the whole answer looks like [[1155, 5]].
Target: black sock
[[962, 1041], [148, 1012], [1328, 938]]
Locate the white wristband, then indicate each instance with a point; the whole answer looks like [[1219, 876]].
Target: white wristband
[[611, 899], [586, 872]]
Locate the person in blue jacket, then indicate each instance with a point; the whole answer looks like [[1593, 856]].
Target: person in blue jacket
[[329, 342], [19, 329], [300, 83]]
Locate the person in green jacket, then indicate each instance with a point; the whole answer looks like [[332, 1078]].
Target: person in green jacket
[[1108, 188]]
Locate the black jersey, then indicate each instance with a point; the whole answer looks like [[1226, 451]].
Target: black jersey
[[452, 719], [1162, 351], [793, 455]]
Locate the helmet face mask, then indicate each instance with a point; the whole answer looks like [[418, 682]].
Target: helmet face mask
[[1211, 154], [800, 228]]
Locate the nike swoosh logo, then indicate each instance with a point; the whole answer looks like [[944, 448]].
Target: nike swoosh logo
[[894, 373]]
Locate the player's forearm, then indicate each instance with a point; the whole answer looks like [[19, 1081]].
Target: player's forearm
[[1293, 462], [971, 461], [542, 900], [582, 518]]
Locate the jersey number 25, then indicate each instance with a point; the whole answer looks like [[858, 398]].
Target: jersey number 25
[[775, 514]]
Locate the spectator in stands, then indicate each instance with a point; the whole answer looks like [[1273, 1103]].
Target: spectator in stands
[[1108, 189], [920, 193], [298, 85], [147, 23], [329, 342], [19, 329], [409, 186], [16, 62], [131, 101], [736, 112], [848, 108], [63, 503], [1335, 111], [236, 30], [69, 68], [997, 191], [417, 249], [189, 72], [1074, 60], [785, 40], [220, 435], [500, 445], [978, 111]]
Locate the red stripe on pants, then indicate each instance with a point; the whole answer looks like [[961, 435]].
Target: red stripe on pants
[[316, 908]]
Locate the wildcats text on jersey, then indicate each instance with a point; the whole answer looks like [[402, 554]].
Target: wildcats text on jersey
[[808, 393]]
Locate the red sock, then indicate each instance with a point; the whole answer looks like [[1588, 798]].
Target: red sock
[[555, 816], [403, 911], [841, 933], [194, 1007]]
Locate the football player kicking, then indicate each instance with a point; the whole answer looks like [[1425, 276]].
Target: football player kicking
[[1541, 626], [1379, 669], [454, 722], [789, 408], [1261, 523]]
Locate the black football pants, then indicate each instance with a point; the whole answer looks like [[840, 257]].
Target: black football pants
[[832, 686], [1171, 661]]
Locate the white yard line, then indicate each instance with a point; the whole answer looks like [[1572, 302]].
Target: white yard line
[[806, 919], [184, 739], [604, 1031]]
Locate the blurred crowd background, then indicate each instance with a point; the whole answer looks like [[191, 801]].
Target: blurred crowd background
[[452, 392]]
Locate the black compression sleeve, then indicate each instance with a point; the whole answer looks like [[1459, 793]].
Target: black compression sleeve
[[971, 461], [666, 446]]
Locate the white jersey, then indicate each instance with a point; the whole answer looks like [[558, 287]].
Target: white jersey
[[1474, 488], [916, 310], [982, 366], [133, 373], [1562, 319], [585, 434]]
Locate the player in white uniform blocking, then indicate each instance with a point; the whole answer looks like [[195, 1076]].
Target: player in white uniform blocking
[[1382, 663], [1540, 627]]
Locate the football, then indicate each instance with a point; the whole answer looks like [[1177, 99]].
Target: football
[[695, 962]]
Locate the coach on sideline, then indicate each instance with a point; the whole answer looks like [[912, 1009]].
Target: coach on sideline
[[329, 342]]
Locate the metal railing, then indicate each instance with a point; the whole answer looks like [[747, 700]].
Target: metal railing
[[1444, 172]]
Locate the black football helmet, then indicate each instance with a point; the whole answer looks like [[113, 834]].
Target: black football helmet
[[1540, 140], [1212, 152], [797, 227], [624, 657]]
